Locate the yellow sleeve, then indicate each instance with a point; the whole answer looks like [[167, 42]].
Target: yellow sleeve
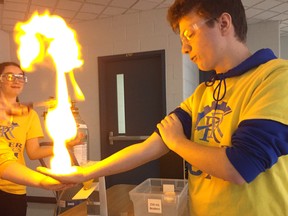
[[35, 126], [269, 99]]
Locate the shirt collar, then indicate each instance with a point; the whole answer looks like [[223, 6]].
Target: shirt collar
[[260, 57]]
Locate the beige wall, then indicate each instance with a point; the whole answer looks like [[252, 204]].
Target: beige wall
[[4, 46], [284, 47], [264, 35]]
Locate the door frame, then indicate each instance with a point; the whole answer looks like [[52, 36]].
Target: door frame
[[104, 130]]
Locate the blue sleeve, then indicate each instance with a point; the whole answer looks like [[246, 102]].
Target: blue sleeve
[[256, 146], [185, 120]]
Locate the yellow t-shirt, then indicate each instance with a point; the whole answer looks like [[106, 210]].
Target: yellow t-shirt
[[6, 155], [260, 93], [22, 129]]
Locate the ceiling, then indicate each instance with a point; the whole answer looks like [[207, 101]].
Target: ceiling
[[75, 11]]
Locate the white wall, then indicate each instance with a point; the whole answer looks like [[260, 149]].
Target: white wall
[[264, 35], [284, 47], [4, 46], [190, 76]]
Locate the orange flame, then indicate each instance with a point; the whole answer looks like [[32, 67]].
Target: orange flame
[[33, 37]]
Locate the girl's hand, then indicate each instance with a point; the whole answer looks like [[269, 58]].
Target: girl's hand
[[77, 140]]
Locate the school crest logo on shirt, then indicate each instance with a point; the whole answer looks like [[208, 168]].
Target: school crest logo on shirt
[[209, 121], [7, 131], [208, 126]]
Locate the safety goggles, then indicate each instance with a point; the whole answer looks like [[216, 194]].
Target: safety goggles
[[13, 77]]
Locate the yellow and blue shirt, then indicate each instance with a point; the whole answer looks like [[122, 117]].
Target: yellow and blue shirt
[[244, 111]]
